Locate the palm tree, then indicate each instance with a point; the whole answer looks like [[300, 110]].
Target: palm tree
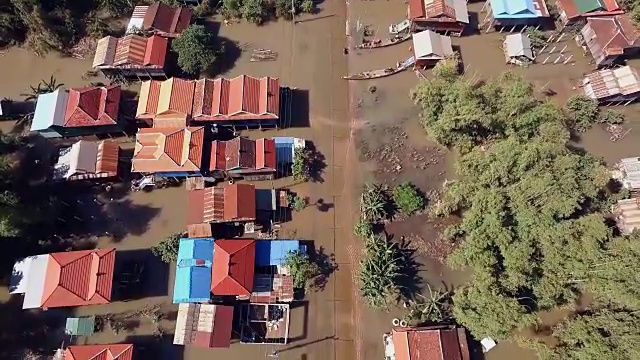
[[434, 307], [372, 203], [43, 87]]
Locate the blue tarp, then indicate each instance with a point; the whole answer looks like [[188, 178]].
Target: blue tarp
[[513, 9], [193, 271], [273, 252]]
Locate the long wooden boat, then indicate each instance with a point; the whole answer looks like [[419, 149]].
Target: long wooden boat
[[374, 74], [377, 43]]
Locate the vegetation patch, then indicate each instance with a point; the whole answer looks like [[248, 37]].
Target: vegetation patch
[[408, 199], [196, 49], [302, 269], [379, 272], [167, 249]]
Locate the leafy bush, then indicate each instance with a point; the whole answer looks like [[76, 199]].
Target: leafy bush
[[582, 112], [231, 9], [203, 9], [301, 268], [253, 11], [363, 229], [296, 202], [301, 167], [307, 6], [408, 199], [167, 249], [611, 117]]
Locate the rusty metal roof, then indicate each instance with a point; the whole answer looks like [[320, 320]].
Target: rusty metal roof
[[92, 106], [235, 202], [131, 51], [429, 344], [166, 19], [611, 82]]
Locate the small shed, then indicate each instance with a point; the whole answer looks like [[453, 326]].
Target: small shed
[[80, 326], [430, 47], [517, 49]]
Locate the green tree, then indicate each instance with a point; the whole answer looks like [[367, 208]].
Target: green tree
[[307, 6], [601, 333], [611, 117], [379, 272], [363, 229], [301, 167], [195, 48], [582, 112], [253, 11], [408, 199], [302, 269], [231, 9], [117, 7], [167, 249], [296, 202]]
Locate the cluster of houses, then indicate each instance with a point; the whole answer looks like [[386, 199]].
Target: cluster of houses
[[220, 284]]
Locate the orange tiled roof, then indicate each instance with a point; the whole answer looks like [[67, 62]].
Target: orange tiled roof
[[78, 278], [99, 352], [168, 150], [166, 19]]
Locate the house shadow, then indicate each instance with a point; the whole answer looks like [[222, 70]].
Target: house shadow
[[139, 274], [294, 108], [473, 28], [40, 332], [155, 347], [128, 218], [299, 311]]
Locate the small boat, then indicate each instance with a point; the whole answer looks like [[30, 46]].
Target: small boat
[[377, 43], [374, 74], [400, 27]]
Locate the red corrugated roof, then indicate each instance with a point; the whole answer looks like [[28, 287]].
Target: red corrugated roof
[[130, 50], [233, 265], [265, 153], [92, 106], [222, 326], [239, 202], [435, 10], [612, 35], [162, 150], [166, 19], [156, 51], [99, 352], [241, 98], [78, 278], [181, 99], [427, 344]]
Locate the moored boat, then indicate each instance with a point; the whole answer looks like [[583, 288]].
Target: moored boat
[[377, 43]]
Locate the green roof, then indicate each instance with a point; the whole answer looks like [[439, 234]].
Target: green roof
[[587, 6], [82, 326]]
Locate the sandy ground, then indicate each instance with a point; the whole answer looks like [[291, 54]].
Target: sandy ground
[[380, 141]]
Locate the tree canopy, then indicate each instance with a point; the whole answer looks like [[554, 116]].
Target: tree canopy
[[195, 48], [531, 225]]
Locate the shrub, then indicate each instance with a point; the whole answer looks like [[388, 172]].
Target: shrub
[[379, 272], [253, 11], [373, 202], [363, 229], [611, 117], [296, 202], [203, 9], [307, 6], [231, 9], [301, 167], [301, 268], [582, 112], [167, 249], [408, 199]]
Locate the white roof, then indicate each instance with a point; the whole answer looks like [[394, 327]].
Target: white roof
[[202, 315], [460, 7], [50, 109], [518, 45], [605, 83], [135, 23], [431, 45], [487, 344], [630, 168], [28, 278], [79, 158]]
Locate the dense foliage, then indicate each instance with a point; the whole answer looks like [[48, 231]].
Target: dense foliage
[[301, 167], [407, 198], [531, 228], [301, 268], [379, 272], [196, 49], [257, 11], [373, 203], [167, 249], [582, 112]]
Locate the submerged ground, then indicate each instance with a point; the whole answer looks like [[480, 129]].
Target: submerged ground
[[363, 136]]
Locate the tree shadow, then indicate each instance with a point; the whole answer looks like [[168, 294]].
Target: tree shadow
[[409, 281], [317, 163], [323, 206], [138, 275], [159, 347], [326, 264], [229, 54], [38, 331]]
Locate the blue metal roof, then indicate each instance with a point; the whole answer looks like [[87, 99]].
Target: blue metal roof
[[284, 149], [273, 252], [193, 270], [50, 108], [513, 9], [193, 284]]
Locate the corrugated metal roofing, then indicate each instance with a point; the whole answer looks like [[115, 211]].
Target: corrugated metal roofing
[[428, 344], [105, 51], [131, 51], [239, 202], [273, 252], [176, 96], [193, 270], [233, 267], [431, 45], [609, 36], [518, 9], [168, 150], [204, 325], [235, 202], [99, 352], [576, 8], [627, 215], [148, 99], [439, 10], [191, 249], [607, 83], [50, 110], [156, 51], [518, 45], [242, 98], [166, 19], [92, 106], [78, 278]]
